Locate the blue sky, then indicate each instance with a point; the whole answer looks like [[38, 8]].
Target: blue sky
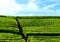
[[30, 7]]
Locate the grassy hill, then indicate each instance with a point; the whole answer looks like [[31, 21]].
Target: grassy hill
[[33, 24], [9, 30]]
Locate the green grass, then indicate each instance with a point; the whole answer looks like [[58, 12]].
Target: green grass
[[41, 29], [9, 30], [44, 39], [39, 22], [46, 25], [40, 25]]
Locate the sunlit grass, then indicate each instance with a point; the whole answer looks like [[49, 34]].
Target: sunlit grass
[[9, 29]]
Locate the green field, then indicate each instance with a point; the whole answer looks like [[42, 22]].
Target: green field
[[9, 29], [41, 25]]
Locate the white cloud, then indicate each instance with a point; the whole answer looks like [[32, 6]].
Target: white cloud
[[57, 1], [30, 14], [48, 10], [57, 11], [49, 6], [31, 6], [9, 7]]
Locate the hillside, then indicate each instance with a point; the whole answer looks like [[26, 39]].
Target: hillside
[[9, 31]]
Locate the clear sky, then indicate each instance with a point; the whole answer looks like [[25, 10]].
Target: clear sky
[[30, 7]]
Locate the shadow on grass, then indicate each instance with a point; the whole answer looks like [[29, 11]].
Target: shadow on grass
[[43, 34], [31, 34], [3, 41], [9, 31]]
